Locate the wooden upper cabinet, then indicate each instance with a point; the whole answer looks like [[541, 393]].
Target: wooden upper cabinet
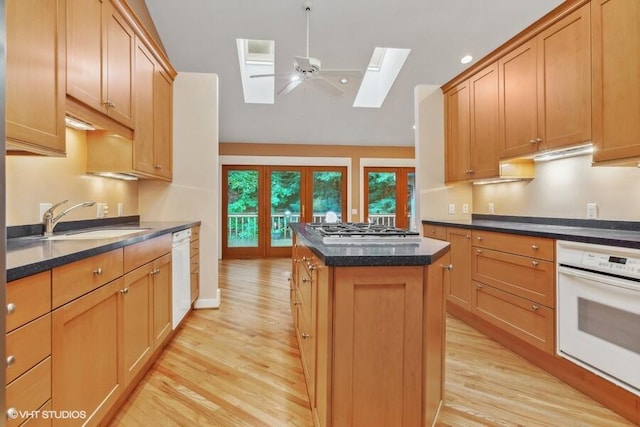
[[564, 81], [484, 123], [616, 79], [545, 94], [35, 76], [457, 116], [100, 52], [153, 148], [518, 101], [471, 115]]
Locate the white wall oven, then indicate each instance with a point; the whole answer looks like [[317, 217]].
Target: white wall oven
[[598, 315]]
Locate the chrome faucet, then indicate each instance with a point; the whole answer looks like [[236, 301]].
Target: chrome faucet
[[49, 221]]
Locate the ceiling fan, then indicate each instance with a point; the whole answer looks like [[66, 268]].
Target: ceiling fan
[[307, 68]]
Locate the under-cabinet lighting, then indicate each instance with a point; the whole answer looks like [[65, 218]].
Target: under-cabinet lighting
[[564, 153], [496, 181], [115, 175], [72, 122]]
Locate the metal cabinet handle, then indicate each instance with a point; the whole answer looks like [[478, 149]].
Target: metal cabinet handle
[[468, 236], [433, 231], [479, 286], [11, 308], [479, 251], [11, 359], [304, 280], [535, 263], [296, 303], [98, 271], [311, 267], [535, 247], [538, 140], [448, 267], [535, 307], [124, 291], [305, 336], [532, 141], [158, 166], [479, 237]]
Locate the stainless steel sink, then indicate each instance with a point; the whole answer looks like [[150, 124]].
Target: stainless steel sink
[[97, 234]]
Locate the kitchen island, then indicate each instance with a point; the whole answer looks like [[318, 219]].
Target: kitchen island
[[370, 326]]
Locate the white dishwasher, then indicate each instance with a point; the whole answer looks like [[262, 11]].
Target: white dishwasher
[[181, 276]]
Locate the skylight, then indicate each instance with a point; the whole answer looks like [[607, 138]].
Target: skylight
[[383, 68], [257, 57]]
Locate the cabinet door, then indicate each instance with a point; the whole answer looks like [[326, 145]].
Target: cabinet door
[[138, 312], [35, 76], [163, 124], [616, 84], [118, 66], [518, 101], [86, 351], [162, 310], [458, 288], [484, 126], [564, 81], [378, 314], [143, 160], [457, 161], [84, 52]]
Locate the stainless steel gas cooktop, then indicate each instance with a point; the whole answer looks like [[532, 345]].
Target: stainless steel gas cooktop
[[362, 233]]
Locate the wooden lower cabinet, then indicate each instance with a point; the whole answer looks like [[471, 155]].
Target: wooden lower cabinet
[[162, 309], [367, 353], [458, 288], [87, 349], [532, 323], [137, 307]]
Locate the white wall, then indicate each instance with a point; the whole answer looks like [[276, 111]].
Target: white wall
[[193, 194], [433, 195], [562, 189], [32, 180]]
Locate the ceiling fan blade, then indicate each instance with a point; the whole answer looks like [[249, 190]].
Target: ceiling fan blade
[[289, 87], [269, 75], [343, 73], [303, 62], [335, 89]]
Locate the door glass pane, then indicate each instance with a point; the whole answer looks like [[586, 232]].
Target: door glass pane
[[327, 196], [382, 198], [242, 208], [411, 202], [285, 205]]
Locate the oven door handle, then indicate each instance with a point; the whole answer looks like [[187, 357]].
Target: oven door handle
[[600, 280]]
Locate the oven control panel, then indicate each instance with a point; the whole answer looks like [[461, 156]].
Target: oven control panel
[[612, 263]]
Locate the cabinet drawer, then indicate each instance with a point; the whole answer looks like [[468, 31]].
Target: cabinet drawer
[[78, 278], [522, 276], [305, 289], [521, 318], [435, 231], [537, 247], [27, 346], [144, 252], [30, 391], [194, 247], [40, 421], [27, 299]]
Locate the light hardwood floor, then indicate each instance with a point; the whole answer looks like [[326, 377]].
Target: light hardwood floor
[[240, 366]]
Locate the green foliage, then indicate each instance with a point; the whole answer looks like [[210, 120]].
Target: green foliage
[[243, 191], [382, 192]]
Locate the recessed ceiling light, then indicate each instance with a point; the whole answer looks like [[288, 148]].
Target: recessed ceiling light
[[466, 59], [344, 80]]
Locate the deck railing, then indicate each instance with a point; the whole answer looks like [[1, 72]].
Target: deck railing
[[244, 227]]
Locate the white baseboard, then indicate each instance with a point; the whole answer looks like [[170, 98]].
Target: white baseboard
[[208, 303]]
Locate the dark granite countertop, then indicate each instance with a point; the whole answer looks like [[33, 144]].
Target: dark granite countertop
[[612, 233], [426, 252], [33, 254]]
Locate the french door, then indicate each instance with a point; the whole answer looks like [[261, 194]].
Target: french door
[[259, 203], [389, 196]]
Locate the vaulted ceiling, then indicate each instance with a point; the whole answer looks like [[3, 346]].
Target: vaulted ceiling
[[200, 36]]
